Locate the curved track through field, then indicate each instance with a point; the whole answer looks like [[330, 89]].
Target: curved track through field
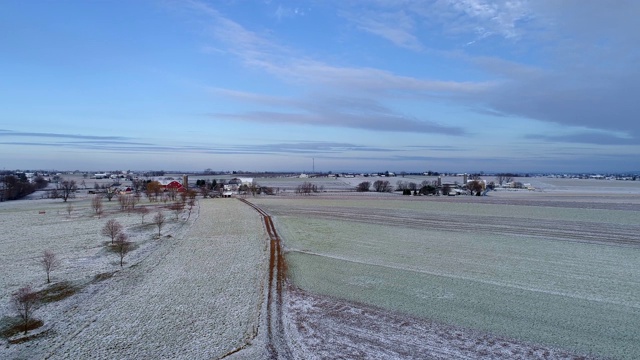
[[276, 345]]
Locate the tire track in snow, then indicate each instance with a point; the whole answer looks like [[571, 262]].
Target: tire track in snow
[[276, 345]]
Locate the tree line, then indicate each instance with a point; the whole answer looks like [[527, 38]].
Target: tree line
[[14, 186]]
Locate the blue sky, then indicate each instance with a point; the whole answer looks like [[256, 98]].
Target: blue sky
[[444, 85]]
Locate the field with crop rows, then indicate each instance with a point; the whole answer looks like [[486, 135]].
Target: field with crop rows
[[565, 276]]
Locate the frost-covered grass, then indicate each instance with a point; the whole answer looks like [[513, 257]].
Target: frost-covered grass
[[196, 295], [561, 290], [74, 238], [442, 205]]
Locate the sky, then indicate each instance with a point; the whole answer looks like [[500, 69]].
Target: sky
[[377, 85]]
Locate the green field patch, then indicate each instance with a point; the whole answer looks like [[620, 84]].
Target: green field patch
[[574, 295], [573, 324]]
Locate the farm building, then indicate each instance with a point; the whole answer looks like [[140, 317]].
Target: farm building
[[172, 184]]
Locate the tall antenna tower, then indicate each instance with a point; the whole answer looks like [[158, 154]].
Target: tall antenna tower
[[313, 166]]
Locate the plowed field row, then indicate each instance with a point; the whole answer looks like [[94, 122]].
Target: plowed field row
[[612, 234]]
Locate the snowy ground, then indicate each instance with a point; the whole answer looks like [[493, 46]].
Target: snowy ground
[[322, 327], [532, 266], [197, 294], [199, 291]]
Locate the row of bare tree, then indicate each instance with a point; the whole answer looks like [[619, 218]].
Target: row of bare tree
[[25, 301]]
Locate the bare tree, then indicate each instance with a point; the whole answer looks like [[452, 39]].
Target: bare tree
[[122, 246], [54, 194], [428, 189], [504, 178], [122, 200], [183, 195], [111, 229], [475, 187], [177, 207], [154, 189], [69, 208], [382, 186], [40, 182], [413, 186], [159, 220], [24, 302], [205, 191], [363, 186], [137, 196], [191, 203], [66, 189], [306, 188], [172, 193], [143, 210], [137, 185], [49, 262], [127, 202], [96, 205], [110, 194]]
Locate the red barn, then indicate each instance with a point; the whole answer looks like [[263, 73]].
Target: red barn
[[173, 184]]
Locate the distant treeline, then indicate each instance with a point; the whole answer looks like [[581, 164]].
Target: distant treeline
[[16, 186]]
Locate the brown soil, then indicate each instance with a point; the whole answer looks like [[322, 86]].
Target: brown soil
[[57, 292], [11, 327], [277, 346]]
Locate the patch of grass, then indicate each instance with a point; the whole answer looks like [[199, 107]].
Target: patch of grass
[[57, 292], [102, 277], [11, 326], [114, 249]]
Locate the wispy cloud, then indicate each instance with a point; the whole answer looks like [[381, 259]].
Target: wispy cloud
[[584, 138], [487, 18], [283, 12], [590, 81], [259, 51], [115, 145], [396, 27], [57, 135], [334, 111]]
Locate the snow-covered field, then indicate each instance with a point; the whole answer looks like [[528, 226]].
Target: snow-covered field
[[529, 266], [196, 293], [544, 274]]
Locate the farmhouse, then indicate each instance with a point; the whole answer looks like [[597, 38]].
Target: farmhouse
[[234, 185], [168, 185]]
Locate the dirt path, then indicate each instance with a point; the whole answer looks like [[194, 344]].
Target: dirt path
[[276, 343]]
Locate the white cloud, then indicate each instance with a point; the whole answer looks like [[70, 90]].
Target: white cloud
[[397, 27]]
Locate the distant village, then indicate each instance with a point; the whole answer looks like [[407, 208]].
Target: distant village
[[17, 184]]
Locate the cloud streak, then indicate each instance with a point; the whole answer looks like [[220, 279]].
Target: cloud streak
[[323, 110], [131, 147], [587, 74], [61, 136]]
